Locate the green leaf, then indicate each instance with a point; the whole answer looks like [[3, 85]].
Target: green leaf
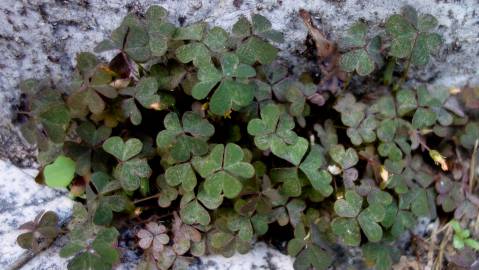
[[209, 77], [103, 215], [155, 14], [426, 22], [352, 112], [130, 110], [426, 43], [255, 49], [88, 261], [293, 153], [196, 52], [422, 206], [107, 253], [70, 249], [159, 31], [350, 206], [216, 39], [213, 162], [390, 150], [197, 126], [423, 118], [55, 120], [224, 181], [231, 95], [379, 255], [472, 244], [319, 179], [121, 150], [131, 172], [272, 124], [60, 173], [242, 28], [387, 130], [291, 183], [346, 158], [133, 37], [232, 68], [403, 34], [355, 36], [348, 230], [194, 213], [260, 23], [181, 173], [470, 135], [92, 135], [406, 101], [295, 246], [410, 38], [191, 32], [146, 92], [385, 107], [186, 138], [86, 62], [368, 220], [358, 60], [314, 257]]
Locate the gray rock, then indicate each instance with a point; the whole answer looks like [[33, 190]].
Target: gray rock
[[22, 199]]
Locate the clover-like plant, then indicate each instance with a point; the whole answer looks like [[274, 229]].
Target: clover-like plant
[[213, 142], [40, 232], [462, 237]]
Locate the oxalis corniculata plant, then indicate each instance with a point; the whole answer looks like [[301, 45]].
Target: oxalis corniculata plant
[[202, 141]]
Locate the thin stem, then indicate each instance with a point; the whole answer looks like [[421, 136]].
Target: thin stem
[[408, 66], [146, 198], [472, 167], [388, 73], [348, 81], [442, 247], [24, 112]]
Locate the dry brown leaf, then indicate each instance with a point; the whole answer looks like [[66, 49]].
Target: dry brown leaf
[[328, 56], [407, 263]]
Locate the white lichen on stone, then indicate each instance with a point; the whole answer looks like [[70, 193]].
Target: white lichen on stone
[[22, 199]]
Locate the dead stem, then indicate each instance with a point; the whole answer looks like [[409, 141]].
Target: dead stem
[[442, 247], [324, 47], [473, 167], [146, 198]]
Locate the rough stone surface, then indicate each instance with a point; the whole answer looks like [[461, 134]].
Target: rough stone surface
[[20, 202], [41, 38]]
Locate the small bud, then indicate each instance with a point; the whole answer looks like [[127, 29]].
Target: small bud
[[454, 90], [77, 190], [438, 159], [228, 114], [138, 211], [155, 106], [334, 170], [204, 107], [307, 236], [426, 131], [384, 174], [108, 70], [312, 139], [120, 83]]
